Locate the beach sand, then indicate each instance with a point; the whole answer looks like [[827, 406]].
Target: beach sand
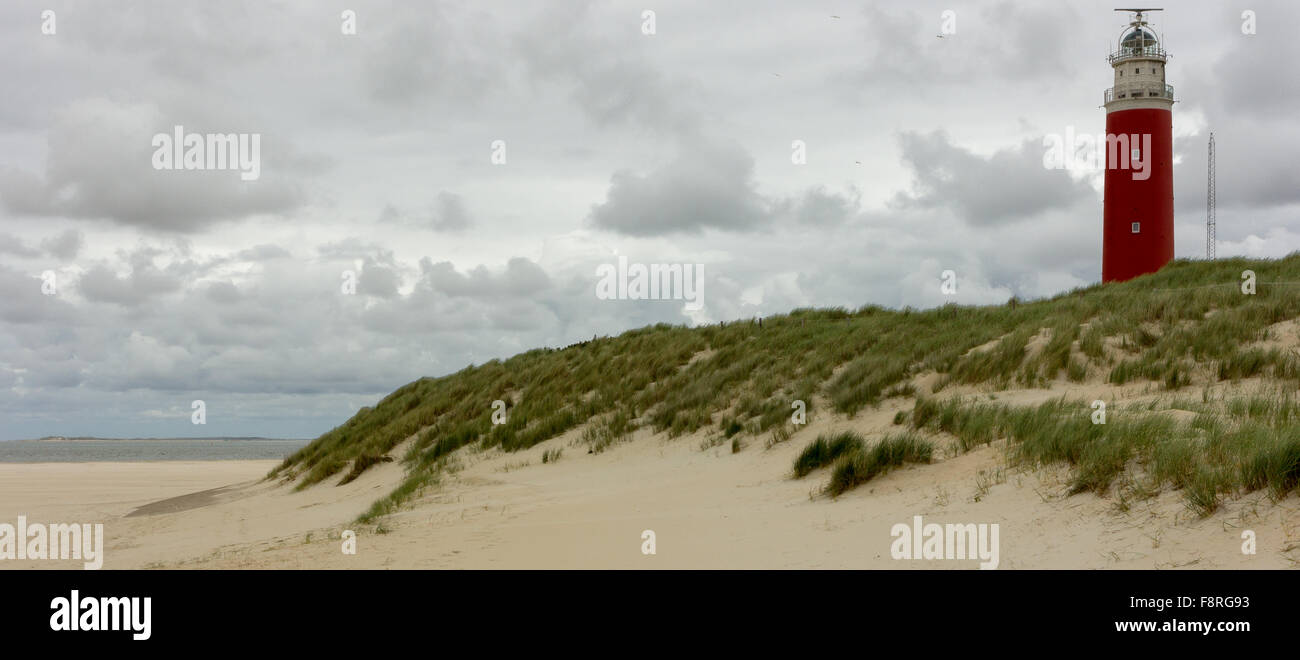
[[707, 507]]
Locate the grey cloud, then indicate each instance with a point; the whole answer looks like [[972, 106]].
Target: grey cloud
[[56, 374], [1250, 77], [66, 245], [182, 45], [1250, 105], [521, 277], [101, 284], [1253, 168], [447, 213], [905, 49], [379, 281], [425, 312], [818, 207], [520, 316], [262, 253], [428, 54], [620, 84], [379, 273], [355, 248], [1008, 186], [99, 167], [10, 244], [24, 302], [708, 186], [223, 292], [390, 213]]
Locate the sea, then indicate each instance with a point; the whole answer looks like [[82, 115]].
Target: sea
[[85, 450]]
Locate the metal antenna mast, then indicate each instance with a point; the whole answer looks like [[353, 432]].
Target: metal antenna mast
[[1139, 11], [1209, 204]]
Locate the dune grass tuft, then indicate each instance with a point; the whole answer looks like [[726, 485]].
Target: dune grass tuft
[[824, 450], [1232, 446], [860, 465]]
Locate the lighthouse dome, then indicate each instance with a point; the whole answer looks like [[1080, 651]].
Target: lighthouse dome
[[1138, 37]]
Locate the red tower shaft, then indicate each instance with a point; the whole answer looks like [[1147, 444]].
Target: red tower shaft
[[1138, 208]]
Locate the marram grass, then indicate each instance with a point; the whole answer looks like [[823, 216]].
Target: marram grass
[[1173, 329]]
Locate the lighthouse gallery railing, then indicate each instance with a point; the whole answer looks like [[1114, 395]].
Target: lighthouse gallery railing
[[1127, 52], [1147, 92]]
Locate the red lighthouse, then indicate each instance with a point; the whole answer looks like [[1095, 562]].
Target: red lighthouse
[[1138, 210]]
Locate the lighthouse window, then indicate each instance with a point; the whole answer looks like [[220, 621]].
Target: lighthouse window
[[1137, 228]]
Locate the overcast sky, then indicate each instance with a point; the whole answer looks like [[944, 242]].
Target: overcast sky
[[923, 154]]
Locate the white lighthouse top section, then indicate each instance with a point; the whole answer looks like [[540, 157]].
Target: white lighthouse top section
[[1139, 63]]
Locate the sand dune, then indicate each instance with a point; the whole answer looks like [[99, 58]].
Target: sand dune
[[708, 508]]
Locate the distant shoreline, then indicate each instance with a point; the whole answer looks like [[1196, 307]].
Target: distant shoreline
[[60, 438], [94, 449]]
